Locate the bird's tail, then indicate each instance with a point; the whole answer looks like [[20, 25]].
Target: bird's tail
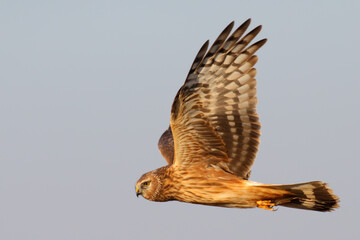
[[315, 196]]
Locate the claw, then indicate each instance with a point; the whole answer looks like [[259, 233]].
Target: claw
[[266, 204]]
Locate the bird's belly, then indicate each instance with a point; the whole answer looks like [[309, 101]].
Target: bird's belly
[[231, 194]]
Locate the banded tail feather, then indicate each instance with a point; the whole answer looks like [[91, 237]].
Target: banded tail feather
[[315, 196]]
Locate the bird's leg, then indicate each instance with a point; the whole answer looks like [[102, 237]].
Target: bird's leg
[[266, 204]]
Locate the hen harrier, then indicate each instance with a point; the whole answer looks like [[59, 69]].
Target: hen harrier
[[214, 133]]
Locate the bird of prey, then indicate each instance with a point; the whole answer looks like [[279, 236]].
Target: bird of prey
[[214, 133]]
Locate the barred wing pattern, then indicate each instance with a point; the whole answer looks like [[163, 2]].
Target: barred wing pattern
[[213, 116]]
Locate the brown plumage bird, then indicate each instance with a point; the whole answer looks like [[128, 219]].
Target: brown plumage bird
[[214, 133]]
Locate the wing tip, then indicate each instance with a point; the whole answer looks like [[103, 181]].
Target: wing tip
[[261, 42]]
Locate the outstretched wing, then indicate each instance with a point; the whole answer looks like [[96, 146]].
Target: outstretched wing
[[213, 116]]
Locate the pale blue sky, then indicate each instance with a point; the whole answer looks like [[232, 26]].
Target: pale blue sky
[[86, 89]]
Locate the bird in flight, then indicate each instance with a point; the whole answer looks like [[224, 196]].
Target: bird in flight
[[213, 136]]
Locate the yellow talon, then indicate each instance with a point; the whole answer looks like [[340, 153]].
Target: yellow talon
[[266, 204]]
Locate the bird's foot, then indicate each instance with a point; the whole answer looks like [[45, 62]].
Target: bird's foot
[[266, 204]]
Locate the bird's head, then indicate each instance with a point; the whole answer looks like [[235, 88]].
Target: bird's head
[[148, 186]]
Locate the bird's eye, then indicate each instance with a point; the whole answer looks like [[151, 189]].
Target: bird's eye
[[146, 183]]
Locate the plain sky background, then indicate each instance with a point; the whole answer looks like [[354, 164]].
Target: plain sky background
[[86, 89]]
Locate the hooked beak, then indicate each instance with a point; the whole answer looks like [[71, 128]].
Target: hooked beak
[[137, 192]]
